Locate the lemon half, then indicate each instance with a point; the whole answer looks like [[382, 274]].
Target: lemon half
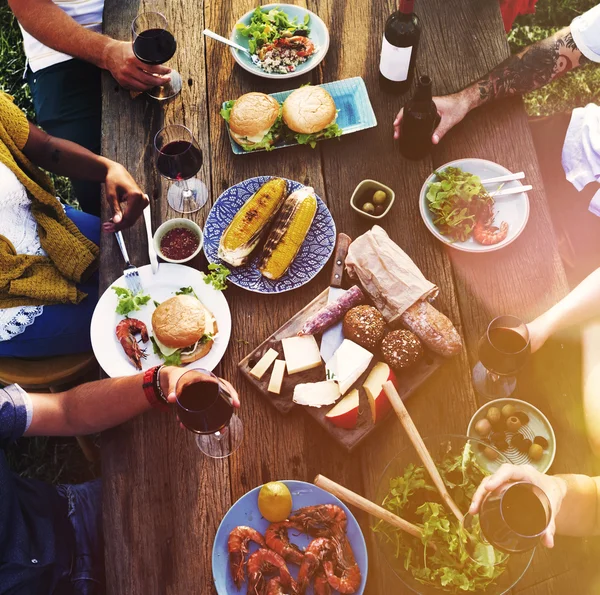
[[275, 501]]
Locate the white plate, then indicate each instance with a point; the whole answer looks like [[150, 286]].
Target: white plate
[[169, 279], [513, 209], [538, 426]]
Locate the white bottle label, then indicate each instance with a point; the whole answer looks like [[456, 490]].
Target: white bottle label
[[394, 61]]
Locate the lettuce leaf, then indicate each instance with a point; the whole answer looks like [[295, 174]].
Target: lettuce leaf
[[332, 131], [170, 360], [226, 111], [269, 139], [128, 301]]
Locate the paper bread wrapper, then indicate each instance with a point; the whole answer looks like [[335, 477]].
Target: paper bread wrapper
[[387, 273]]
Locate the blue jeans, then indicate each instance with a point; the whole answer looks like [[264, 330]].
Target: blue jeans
[[64, 328], [85, 515]]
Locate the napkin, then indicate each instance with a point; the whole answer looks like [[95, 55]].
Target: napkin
[[581, 151], [392, 280]]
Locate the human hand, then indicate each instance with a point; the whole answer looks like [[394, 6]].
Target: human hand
[[452, 109], [130, 72], [170, 375], [538, 333], [120, 187], [554, 487]]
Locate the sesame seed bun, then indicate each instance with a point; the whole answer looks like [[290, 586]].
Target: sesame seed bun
[[252, 117], [308, 110]]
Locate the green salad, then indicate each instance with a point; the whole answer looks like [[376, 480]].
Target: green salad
[[414, 497], [455, 200], [332, 131], [267, 26]]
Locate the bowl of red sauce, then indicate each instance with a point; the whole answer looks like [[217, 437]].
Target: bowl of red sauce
[[178, 240]]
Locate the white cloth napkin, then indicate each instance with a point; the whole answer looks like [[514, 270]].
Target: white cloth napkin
[[581, 151]]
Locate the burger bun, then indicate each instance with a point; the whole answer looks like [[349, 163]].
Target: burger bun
[[309, 110], [252, 117]]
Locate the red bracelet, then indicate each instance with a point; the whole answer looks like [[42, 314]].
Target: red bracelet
[[150, 391]]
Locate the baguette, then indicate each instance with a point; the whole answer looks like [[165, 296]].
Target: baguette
[[434, 329]]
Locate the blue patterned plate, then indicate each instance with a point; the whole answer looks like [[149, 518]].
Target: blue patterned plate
[[245, 512], [319, 35], [352, 100], [312, 257]]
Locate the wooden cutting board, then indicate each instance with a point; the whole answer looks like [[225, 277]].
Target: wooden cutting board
[[408, 382]]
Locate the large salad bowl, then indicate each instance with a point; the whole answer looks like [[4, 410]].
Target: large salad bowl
[[461, 473]]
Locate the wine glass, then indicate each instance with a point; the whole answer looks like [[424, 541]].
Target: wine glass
[[503, 351], [154, 44], [512, 519], [205, 407], [179, 158]]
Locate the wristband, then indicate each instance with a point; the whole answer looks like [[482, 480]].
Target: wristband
[[150, 390], [157, 387]]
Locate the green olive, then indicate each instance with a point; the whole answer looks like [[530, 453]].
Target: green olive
[[379, 197], [483, 427], [513, 424], [508, 411], [535, 452], [368, 207], [494, 415]]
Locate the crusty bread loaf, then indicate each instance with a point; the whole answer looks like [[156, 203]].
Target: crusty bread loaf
[[433, 328]]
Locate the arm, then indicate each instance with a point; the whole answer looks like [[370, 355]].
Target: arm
[[580, 306], [48, 23], [534, 67], [573, 499], [65, 158], [97, 406]]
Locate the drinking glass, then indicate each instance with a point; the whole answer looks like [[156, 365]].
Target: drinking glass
[[503, 351], [154, 44], [205, 407], [179, 158], [512, 519]]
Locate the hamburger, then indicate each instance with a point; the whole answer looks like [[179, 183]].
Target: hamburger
[[184, 330], [310, 114], [254, 121]]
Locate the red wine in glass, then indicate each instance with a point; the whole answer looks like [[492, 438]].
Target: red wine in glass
[[514, 517], [179, 158], [154, 46], [205, 407], [503, 351], [153, 43]]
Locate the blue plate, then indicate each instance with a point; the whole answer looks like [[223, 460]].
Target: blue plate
[[245, 512], [312, 257], [355, 111], [319, 35]]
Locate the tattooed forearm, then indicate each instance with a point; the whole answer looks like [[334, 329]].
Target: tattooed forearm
[[533, 68]]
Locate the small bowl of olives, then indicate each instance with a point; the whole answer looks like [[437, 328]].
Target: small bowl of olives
[[372, 200], [520, 431]]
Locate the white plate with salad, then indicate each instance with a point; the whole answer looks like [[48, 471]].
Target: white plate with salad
[[287, 41], [459, 212], [115, 306]]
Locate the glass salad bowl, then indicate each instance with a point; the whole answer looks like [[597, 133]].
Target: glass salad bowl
[[406, 489]]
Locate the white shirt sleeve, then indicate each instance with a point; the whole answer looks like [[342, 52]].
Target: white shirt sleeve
[[586, 33]]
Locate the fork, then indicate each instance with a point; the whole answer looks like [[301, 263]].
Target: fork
[[132, 276], [213, 35]]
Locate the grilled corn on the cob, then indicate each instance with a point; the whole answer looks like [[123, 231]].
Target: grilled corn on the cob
[[288, 233], [250, 223]]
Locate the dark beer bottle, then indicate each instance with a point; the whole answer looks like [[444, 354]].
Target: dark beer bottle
[[419, 121]]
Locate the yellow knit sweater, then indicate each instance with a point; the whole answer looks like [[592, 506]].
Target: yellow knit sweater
[[38, 280]]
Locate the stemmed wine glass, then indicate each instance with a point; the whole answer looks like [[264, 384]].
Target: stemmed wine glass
[[154, 44], [179, 158], [503, 351], [205, 407]]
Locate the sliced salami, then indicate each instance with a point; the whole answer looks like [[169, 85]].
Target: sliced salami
[[331, 313]]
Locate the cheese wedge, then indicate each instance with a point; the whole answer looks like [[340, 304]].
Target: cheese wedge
[[277, 377], [316, 394], [258, 371], [301, 353], [347, 364]]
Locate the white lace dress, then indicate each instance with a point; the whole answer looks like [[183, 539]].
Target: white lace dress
[[19, 226]]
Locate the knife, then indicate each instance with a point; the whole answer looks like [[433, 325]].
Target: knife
[[151, 250], [333, 336]]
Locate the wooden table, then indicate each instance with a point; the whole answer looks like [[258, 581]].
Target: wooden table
[[163, 501]]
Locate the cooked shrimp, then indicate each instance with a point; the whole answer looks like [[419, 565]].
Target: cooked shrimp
[[321, 584], [126, 331], [485, 232], [322, 520], [274, 587], [277, 539], [237, 546], [264, 562], [318, 550], [302, 45], [349, 579]]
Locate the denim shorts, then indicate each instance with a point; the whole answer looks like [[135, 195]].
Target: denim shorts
[[85, 514]]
